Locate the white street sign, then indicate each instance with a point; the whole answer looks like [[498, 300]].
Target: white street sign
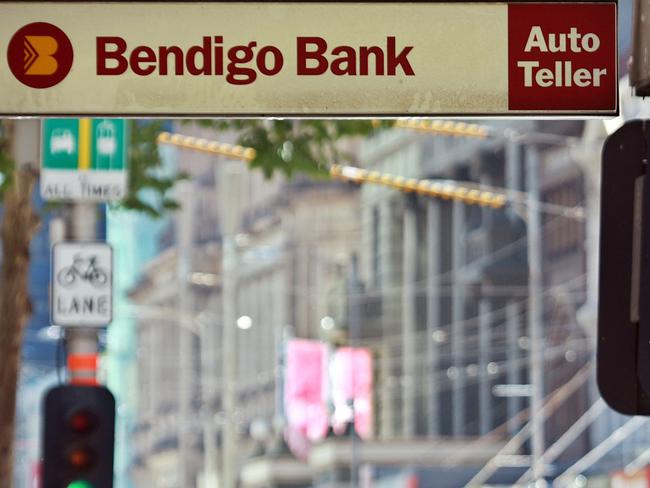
[[82, 284]]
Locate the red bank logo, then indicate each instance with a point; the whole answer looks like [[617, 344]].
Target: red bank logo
[[40, 55], [562, 58]]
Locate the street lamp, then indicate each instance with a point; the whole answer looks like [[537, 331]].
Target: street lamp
[[244, 322]]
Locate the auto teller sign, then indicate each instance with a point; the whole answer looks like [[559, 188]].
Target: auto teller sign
[[311, 58], [82, 288]]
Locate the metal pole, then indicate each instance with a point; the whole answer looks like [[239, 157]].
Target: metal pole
[[230, 207], [571, 434], [355, 289], [409, 343], [485, 393], [512, 357], [630, 427], [513, 325], [82, 341], [433, 315], [535, 313], [390, 319], [208, 391], [282, 337], [185, 240], [457, 317]]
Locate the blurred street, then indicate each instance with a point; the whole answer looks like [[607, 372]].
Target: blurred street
[[383, 331]]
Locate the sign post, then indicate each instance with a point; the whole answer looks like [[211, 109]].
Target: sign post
[[84, 159]]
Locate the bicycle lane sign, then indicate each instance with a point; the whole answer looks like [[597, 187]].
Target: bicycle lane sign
[[82, 284]]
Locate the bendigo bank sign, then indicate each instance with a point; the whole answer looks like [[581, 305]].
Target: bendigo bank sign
[[241, 64], [308, 58]]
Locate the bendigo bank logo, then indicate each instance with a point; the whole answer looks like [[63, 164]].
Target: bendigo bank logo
[[40, 55]]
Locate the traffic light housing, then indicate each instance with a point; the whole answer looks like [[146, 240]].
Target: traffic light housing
[[623, 358], [79, 436]]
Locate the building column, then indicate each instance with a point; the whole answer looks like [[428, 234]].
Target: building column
[[185, 239], [230, 183], [432, 386], [409, 332], [390, 320]]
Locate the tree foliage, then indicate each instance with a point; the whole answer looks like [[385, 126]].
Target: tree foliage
[[282, 145], [145, 175], [293, 146]]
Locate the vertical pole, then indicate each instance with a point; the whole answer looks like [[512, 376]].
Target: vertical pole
[[640, 63], [386, 386], [83, 343], [185, 240], [208, 392], [409, 342], [389, 319], [282, 336], [277, 304], [230, 207], [485, 393], [512, 357], [457, 317], [229, 355], [433, 315], [535, 312], [278, 292], [513, 328], [354, 314]]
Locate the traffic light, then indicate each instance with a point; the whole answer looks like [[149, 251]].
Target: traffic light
[[79, 434], [624, 296]]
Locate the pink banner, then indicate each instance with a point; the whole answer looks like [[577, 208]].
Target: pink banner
[[318, 379], [303, 393], [351, 380]]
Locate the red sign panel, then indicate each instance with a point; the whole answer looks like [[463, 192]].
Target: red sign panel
[[562, 56]]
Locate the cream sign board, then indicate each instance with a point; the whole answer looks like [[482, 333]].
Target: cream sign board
[[255, 59]]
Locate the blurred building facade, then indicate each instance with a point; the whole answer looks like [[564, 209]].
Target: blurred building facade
[[442, 294], [449, 282], [295, 241]]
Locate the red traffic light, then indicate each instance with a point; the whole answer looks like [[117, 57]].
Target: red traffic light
[[82, 422], [78, 437]]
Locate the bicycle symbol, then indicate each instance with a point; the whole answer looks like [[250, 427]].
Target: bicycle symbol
[[92, 273]]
